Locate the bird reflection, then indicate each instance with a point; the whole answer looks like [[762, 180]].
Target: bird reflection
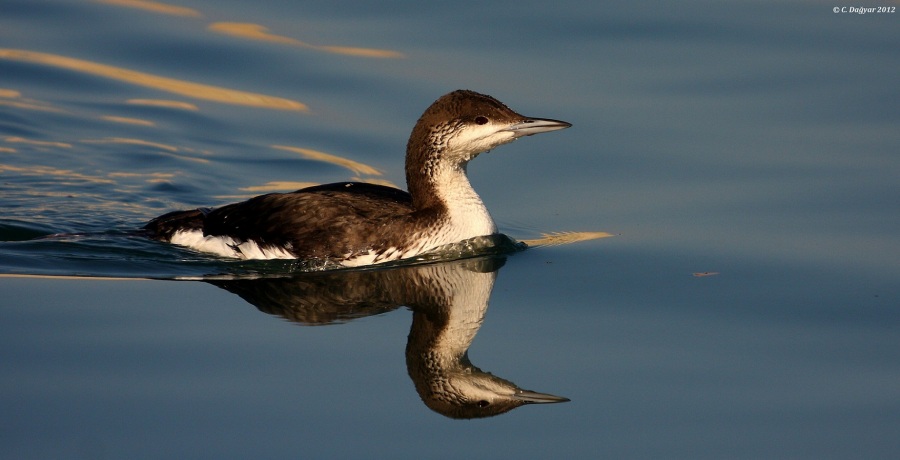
[[448, 301]]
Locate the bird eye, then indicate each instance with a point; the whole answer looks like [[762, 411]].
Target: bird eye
[[483, 403], [481, 120]]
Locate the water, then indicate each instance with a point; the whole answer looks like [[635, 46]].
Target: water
[[745, 155]]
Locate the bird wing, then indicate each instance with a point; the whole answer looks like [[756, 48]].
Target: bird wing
[[326, 221]]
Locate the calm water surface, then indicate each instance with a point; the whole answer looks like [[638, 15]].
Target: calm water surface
[[744, 155]]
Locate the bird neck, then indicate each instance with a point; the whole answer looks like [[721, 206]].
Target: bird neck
[[443, 185]]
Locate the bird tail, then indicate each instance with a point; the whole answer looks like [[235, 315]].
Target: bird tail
[[164, 226]]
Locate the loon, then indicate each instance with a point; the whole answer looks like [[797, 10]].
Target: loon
[[354, 223]]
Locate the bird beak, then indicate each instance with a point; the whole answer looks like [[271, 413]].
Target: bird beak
[[533, 397], [531, 126]]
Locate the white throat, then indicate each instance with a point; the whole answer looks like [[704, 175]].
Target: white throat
[[468, 216]]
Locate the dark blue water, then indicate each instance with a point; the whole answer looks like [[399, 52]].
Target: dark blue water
[[744, 154]]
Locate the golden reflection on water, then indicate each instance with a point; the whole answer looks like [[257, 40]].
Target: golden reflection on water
[[32, 142], [13, 98], [163, 103], [152, 178], [557, 238], [48, 171], [130, 141], [167, 150], [155, 7], [69, 177], [261, 33], [171, 85], [252, 31], [128, 121], [355, 166], [46, 206], [28, 105]]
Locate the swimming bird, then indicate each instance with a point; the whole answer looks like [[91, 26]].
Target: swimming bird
[[354, 223]]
